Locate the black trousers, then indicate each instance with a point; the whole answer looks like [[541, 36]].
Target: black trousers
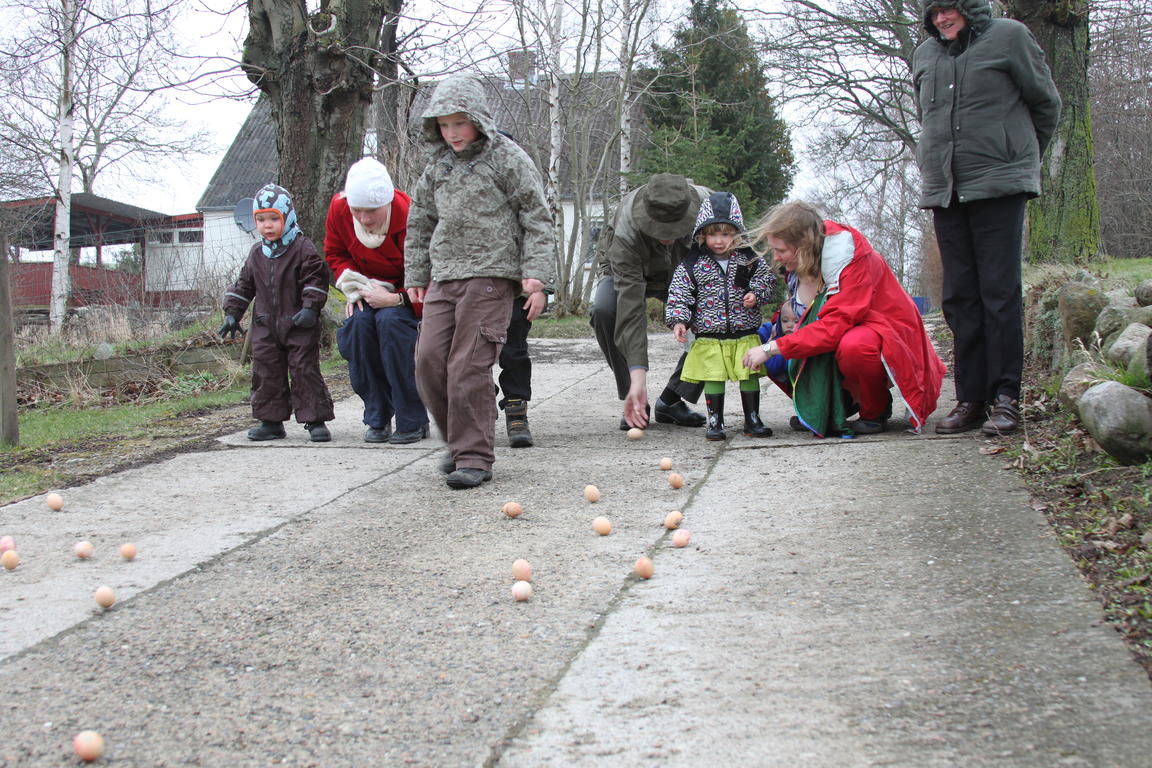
[[515, 364], [980, 250], [603, 320]]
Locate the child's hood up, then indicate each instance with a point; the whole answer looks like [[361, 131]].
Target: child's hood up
[[459, 93]]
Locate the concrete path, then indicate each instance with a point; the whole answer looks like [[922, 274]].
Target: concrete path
[[891, 600]]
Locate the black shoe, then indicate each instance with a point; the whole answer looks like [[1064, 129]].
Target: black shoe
[[403, 438], [625, 426], [753, 426], [468, 477], [317, 432], [868, 426], [447, 464], [715, 403], [378, 434], [679, 414], [796, 425], [268, 430], [516, 414]]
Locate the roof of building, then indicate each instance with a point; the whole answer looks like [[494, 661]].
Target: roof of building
[[94, 221], [250, 162]]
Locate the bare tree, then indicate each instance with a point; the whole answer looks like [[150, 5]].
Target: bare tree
[[319, 71], [1121, 78], [85, 96], [9, 423]]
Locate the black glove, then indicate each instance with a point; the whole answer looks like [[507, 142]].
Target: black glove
[[230, 328], [305, 318]]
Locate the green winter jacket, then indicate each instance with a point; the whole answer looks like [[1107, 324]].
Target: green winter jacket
[[988, 108], [479, 212]]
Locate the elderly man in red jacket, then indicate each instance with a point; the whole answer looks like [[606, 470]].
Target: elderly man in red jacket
[[364, 246]]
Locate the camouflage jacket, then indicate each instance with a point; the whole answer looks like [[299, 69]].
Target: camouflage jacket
[[479, 212]]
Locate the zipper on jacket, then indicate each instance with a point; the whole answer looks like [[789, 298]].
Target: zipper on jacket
[[275, 313]]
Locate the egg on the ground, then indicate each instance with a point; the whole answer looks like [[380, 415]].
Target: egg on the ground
[[512, 509], [675, 479], [635, 433], [83, 549], [104, 597], [602, 526], [10, 560], [592, 493], [522, 570], [7, 543], [666, 463], [128, 551], [643, 568], [521, 591], [681, 538], [54, 501], [88, 746]]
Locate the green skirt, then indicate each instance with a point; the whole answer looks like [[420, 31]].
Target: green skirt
[[720, 360]]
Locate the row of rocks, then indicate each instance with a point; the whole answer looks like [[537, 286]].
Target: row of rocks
[[1101, 329]]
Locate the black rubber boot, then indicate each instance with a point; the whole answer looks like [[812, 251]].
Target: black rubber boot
[[516, 413], [268, 430], [318, 432], [715, 429], [753, 427]]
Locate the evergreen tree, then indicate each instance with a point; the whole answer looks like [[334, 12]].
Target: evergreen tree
[[710, 113]]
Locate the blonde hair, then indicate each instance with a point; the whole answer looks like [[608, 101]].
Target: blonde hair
[[800, 225]]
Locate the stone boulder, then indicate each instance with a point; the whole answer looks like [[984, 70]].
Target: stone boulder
[[1075, 383], [1079, 305], [1121, 351], [1144, 294], [1140, 366], [1110, 321], [1120, 419], [1121, 297]]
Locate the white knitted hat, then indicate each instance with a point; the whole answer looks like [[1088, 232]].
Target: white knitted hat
[[368, 185]]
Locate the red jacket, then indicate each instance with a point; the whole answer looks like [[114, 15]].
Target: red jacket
[[863, 291], [344, 251]]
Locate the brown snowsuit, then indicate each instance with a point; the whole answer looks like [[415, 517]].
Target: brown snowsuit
[[281, 287]]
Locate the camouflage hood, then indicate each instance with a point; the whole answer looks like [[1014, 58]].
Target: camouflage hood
[[459, 93], [978, 13]]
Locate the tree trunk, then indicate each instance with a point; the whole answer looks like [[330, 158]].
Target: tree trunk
[[61, 252], [319, 73], [1064, 223], [390, 99], [9, 423]]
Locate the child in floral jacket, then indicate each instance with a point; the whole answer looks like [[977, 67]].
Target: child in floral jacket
[[718, 292]]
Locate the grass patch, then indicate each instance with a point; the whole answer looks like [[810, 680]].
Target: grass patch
[[567, 327]]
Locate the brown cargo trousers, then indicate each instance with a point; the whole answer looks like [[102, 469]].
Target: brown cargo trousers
[[464, 328]]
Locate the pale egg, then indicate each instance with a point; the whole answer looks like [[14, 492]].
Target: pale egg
[[673, 519], [54, 501], [83, 549], [635, 433], [643, 568], [602, 526], [104, 597], [522, 570], [521, 591], [592, 493], [681, 538], [128, 551], [666, 463], [7, 543], [675, 479], [512, 509], [88, 746], [10, 560]]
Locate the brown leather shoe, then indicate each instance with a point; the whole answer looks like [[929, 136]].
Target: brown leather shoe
[[1004, 418], [965, 416]]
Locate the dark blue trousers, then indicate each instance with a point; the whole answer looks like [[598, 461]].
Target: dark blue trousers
[[380, 347]]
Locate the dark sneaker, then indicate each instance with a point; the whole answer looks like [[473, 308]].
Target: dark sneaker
[[268, 430], [318, 432], [403, 438], [868, 426], [967, 415], [378, 434], [468, 477], [1003, 419], [679, 414]]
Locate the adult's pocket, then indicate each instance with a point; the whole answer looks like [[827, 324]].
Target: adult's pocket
[[488, 343]]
